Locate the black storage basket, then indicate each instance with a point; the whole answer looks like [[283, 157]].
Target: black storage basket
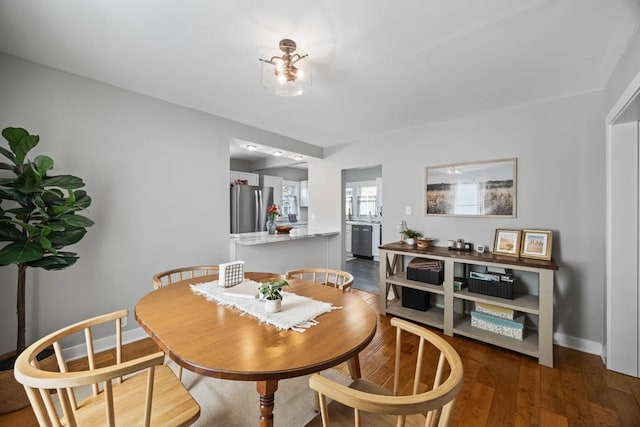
[[433, 277], [415, 299], [494, 289]]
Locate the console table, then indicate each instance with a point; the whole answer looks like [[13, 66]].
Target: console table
[[451, 313]]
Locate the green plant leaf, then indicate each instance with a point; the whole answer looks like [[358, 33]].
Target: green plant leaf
[[10, 233], [8, 154], [77, 220], [6, 166], [15, 253], [60, 239], [83, 200], [63, 181], [55, 262], [43, 164], [20, 142]]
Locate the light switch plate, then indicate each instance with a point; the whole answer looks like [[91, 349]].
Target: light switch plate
[[407, 210]]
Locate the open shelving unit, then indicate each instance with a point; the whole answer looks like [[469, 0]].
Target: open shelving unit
[[538, 303]]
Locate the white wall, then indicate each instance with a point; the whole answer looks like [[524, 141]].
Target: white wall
[[158, 175], [627, 69], [560, 149]]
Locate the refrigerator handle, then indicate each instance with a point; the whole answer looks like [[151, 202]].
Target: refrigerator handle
[[258, 196]]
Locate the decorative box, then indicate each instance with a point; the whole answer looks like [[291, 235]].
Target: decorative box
[[415, 299], [508, 328], [494, 310]]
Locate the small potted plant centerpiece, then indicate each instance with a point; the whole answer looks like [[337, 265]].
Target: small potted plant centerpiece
[[410, 236], [270, 292]]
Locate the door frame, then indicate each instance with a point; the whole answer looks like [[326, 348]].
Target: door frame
[[630, 95]]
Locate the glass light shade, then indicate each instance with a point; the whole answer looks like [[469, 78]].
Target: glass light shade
[[272, 77]]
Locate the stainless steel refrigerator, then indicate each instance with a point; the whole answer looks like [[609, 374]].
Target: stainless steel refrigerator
[[249, 206]]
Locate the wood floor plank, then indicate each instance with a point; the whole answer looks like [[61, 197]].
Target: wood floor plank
[[551, 419], [528, 395], [475, 411], [551, 395]]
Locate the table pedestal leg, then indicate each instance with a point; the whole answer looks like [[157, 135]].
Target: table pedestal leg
[[266, 389]]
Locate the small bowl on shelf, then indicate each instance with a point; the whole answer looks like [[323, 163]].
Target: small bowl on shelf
[[283, 229], [423, 243]]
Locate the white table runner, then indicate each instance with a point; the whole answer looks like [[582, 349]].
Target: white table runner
[[298, 313]]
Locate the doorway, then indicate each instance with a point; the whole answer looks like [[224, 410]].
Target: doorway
[[623, 233], [362, 225]]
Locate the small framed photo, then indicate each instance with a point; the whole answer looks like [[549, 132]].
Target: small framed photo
[[536, 244], [507, 242]]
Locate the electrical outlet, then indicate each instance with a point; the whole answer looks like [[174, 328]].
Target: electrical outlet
[[407, 210], [124, 321]]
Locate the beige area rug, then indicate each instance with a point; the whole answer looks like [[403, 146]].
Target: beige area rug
[[227, 403], [236, 403]]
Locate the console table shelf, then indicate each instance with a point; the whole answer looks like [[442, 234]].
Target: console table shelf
[[537, 343]]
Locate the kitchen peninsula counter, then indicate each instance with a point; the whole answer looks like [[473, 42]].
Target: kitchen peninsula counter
[[263, 237], [277, 253]]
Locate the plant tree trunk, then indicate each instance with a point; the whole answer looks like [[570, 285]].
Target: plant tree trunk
[[22, 276]]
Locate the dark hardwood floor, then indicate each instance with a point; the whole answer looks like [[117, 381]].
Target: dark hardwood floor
[[501, 388], [366, 274]]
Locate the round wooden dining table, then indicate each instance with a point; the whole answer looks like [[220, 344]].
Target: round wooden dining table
[[221, 342]]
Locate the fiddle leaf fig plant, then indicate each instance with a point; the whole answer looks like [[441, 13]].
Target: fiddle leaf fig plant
[[38, 214]]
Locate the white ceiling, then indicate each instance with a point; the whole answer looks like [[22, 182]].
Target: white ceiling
[[378, 65]]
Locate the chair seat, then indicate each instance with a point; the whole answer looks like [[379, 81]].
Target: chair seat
[[172, 403]]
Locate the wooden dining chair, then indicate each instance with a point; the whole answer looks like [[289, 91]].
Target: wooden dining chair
[[368, 404], [178, 274], [149, 394], [325, 276]]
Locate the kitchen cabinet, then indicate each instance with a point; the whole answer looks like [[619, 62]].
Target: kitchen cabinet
[[452, 315], [276, 183], [304, 194], [347, 239], [251, 178]]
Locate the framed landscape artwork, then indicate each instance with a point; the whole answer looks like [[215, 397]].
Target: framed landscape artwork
[[536, 244], [507, 242], [481, 189]]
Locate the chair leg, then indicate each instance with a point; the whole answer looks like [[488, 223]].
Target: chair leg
[[179, 373], [316, 402]]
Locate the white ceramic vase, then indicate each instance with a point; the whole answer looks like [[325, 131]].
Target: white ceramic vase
[[272, 305], [410, 241]]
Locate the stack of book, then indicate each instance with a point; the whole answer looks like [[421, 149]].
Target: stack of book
[[499, 320]]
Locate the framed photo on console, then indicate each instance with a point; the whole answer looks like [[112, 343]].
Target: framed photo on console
[[536, 244], [507, 242]]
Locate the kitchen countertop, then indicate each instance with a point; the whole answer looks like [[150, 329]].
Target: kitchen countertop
[[364, 222], [262, 237]]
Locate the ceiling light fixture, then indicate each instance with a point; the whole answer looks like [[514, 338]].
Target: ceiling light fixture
[[297, 158], [251, 147], [286, 74], [277, 153]]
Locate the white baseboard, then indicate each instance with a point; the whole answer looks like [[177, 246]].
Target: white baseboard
[[580, 344], [106, 343]]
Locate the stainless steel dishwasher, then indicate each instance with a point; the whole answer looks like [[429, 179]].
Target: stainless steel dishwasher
[[361, 240]]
